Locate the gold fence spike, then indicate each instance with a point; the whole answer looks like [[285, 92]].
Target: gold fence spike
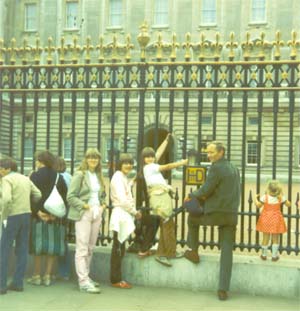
[[187, 45], [37, 51], [24, 50], [202, 45], [75, 50], [159, 45], [174, 46], [231, 45], [143, 39], [12, 50], [277, 44], [88, 48], [293, 44], [247, 46], [217, 47], [114, 48], [128, 46], [49, 49], [262, 43], [62, 50], [100, 47], [2, 51]]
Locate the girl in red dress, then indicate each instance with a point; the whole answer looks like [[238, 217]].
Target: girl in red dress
[[270, 221]]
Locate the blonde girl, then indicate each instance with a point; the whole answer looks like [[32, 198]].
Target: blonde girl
[[271, 222], [86, 197]]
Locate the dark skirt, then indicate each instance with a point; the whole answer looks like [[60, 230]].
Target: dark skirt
[[47, 238]]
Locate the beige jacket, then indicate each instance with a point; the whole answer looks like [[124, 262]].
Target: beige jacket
[[79, 194], [17, 193]]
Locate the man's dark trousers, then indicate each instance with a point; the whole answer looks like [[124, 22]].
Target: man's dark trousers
[[227, 227]]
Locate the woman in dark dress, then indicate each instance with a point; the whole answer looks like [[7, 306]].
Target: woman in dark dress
[[47, 236]]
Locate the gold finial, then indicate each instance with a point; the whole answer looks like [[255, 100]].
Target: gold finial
[[75, 50], [114, 48], [187, 46], [217, 47], [174, 46], [128, 46], [2, 51], [262, 43], [100, 47], [231, 45], [49, 49], [12, 50], [62, 50], [277, 44], [159, 45], [143, 39], [88, 47], [293, 44], [24, 50], [202, 45], [37, 51], [247, 46]]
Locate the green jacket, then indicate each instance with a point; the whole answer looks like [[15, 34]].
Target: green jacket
[[221, 190], [79, 194]]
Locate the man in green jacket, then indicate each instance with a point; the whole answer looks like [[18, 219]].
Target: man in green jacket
[[221, 196]]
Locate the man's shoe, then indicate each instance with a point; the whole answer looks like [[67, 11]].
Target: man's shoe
[[275, 258], [263, 257], [35, 280], [164, 261], [96, 284], [89, 288], [15, 288], [222, 294], [192, 256]]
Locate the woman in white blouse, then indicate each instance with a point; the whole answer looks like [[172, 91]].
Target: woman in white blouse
[[122, 217], [86, 197]]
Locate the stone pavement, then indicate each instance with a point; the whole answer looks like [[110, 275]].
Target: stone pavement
[[64, 296]]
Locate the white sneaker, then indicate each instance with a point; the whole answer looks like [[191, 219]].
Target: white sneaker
[[96, 284], [89, 288]]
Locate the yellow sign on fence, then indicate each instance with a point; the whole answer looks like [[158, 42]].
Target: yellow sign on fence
[[195, 175]]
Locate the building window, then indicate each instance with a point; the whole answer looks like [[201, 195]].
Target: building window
[[72, 15], [258, 11], [252, 121], [68, 119], [161, 12], [30, 16], [28, 148], [252, 156], [109, 151], [115, 13], [206, 120], [208, 12], [67, 148]]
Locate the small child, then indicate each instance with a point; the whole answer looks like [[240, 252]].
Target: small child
[[270, 221]]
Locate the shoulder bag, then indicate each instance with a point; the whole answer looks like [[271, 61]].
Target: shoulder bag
[[55, 204]]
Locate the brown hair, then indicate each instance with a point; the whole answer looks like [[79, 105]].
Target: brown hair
[[45, 157], [146, 152], [274, 188], [8, 162], [124, 158], [60, 164]]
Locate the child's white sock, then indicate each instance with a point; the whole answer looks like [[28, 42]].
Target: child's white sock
[[264, 250], [275, 248]]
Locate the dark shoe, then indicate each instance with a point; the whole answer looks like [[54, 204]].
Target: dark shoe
[[222, 294], [122, 284], [3, 291], [263, 257], [275, 258], [192, 256], [15, 288], [164, 261]]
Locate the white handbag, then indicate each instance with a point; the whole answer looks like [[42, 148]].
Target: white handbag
[[54, 204]]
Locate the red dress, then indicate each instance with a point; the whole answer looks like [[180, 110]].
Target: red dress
[[271, 219]]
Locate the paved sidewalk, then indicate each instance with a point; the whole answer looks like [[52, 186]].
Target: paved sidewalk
[[64, 296]]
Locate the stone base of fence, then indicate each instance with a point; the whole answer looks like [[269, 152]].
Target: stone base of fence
[[250, 274]]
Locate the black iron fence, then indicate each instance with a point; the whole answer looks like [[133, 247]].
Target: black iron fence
[[250, 104]]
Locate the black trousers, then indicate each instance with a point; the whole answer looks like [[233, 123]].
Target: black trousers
[[117, 254], [148, 230]]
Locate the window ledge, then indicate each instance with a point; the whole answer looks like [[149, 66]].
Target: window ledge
[[30, 31], [71, 29], [208, 25], [114, 28], [160, 26], [261, 23]]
